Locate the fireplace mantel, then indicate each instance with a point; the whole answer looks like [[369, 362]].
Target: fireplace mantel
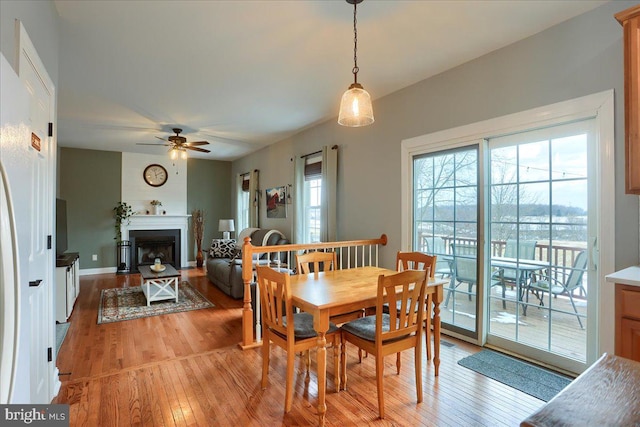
[[161, 222]]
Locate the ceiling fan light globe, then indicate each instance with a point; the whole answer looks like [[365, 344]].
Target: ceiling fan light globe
[[173, 154], [355, 107], [183, 155]]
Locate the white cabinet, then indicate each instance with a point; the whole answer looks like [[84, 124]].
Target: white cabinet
[[67, 284]]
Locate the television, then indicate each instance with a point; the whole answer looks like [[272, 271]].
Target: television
[[61, 227]]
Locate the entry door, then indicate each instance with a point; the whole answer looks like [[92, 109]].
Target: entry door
[[542, 220], [41, 255]]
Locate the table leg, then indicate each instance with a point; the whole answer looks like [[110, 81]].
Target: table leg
[[322, 376], [175, 287], [436, 328]]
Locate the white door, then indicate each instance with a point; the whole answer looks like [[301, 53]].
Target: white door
[[14, 226], [41, 255]]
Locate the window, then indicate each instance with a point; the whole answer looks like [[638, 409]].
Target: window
[[247, 206], [315, 196]]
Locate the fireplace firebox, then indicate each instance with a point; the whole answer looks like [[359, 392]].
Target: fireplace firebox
[[147, 245]]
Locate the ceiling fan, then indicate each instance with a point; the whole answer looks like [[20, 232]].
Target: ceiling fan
[[179, 143]]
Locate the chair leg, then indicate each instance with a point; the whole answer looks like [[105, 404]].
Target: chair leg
[[576, 310], [336, 362], [427, 329], [451, 288], [398, 363], [380, 384], [307, 360], [265, 360], [288, 394], [343, 363], [418, 359], [504, 295]]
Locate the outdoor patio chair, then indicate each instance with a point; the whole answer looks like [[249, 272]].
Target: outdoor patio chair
[[572, 281], [525, 250], [465, 270]]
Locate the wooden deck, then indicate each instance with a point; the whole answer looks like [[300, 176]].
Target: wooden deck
[[187, 369], [567, 337]]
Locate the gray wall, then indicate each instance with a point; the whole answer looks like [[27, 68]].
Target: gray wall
[[575, 58], [209, 189], [90, 182]]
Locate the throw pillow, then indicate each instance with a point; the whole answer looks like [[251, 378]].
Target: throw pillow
[[223, 248]]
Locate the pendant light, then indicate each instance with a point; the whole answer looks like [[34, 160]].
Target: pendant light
[[355, 108]]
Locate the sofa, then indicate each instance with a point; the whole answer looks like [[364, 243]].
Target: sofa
[[224, 258]]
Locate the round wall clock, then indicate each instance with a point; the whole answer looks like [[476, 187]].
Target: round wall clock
[[155, 175]]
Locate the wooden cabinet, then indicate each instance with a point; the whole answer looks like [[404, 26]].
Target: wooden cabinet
[[630, 20], [67, 285], [628, 321]]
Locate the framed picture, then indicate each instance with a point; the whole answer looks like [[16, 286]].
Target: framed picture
[[276, 202]]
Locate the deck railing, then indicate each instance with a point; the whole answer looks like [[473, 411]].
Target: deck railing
[[560, 257], [349, 253]]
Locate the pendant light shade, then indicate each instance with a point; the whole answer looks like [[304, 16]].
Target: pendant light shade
[[355, 107]]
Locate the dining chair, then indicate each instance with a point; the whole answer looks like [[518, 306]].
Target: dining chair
[[388, 333], [315, 262], [292, 332], [571, 282], [419, 261]]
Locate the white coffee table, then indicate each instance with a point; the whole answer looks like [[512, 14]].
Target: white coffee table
[[159, 286]]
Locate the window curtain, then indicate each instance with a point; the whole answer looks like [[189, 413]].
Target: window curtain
[[254, 201], [239, 224], [329, 172], [328, 225]]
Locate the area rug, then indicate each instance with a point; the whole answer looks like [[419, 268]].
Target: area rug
[[61, 333], [119, 304], [523, 376]]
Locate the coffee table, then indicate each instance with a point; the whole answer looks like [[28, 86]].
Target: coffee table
[[159, 286]]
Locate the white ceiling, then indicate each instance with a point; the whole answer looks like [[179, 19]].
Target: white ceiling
[[246, 74]]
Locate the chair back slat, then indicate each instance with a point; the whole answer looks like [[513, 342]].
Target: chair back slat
[[409, 288], [416, 261], [320, 261], [275, 298]]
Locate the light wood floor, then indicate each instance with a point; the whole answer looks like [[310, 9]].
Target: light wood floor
[[187, 369]]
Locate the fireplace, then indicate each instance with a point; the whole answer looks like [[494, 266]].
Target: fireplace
[[147, 245]]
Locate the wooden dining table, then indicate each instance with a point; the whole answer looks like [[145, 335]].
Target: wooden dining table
[[326, 294]]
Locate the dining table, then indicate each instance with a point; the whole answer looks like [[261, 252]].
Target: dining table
[[325, 294]]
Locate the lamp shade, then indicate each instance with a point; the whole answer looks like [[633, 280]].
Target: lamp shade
[[355, 108], [226, 225]]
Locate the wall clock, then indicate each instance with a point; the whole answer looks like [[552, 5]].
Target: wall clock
[[155, 175]]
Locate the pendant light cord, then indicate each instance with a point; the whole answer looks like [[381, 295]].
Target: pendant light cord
[[355, 44]]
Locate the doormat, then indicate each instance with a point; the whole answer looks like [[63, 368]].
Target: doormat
[[533, 380], [119, 304]]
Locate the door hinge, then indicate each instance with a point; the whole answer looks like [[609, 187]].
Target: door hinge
[[50, 354], [49, 237], [50, 129]]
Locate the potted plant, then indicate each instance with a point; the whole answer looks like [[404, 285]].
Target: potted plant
[[122, 212], [154, 206], [197, 216]]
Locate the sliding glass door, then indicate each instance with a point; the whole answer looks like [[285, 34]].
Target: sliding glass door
[[541, 216], [445, 214]]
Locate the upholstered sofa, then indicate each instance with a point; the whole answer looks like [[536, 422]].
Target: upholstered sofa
[[224, 259]]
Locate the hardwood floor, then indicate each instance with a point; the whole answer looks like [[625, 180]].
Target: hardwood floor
[[187, 369]]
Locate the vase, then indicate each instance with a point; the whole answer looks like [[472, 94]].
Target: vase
[[154, 209], [199, 257]]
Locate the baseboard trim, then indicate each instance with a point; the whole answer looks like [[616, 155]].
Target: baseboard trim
[[90, 271]]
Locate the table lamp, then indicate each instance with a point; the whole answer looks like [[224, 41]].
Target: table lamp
[[226, 225]]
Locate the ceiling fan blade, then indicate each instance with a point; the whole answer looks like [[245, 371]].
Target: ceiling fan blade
[[197, 149], [162, 139], [155, 143], [198, 143]]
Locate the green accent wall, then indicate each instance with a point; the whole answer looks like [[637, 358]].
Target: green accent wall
[[209, 184], [90, 182]]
